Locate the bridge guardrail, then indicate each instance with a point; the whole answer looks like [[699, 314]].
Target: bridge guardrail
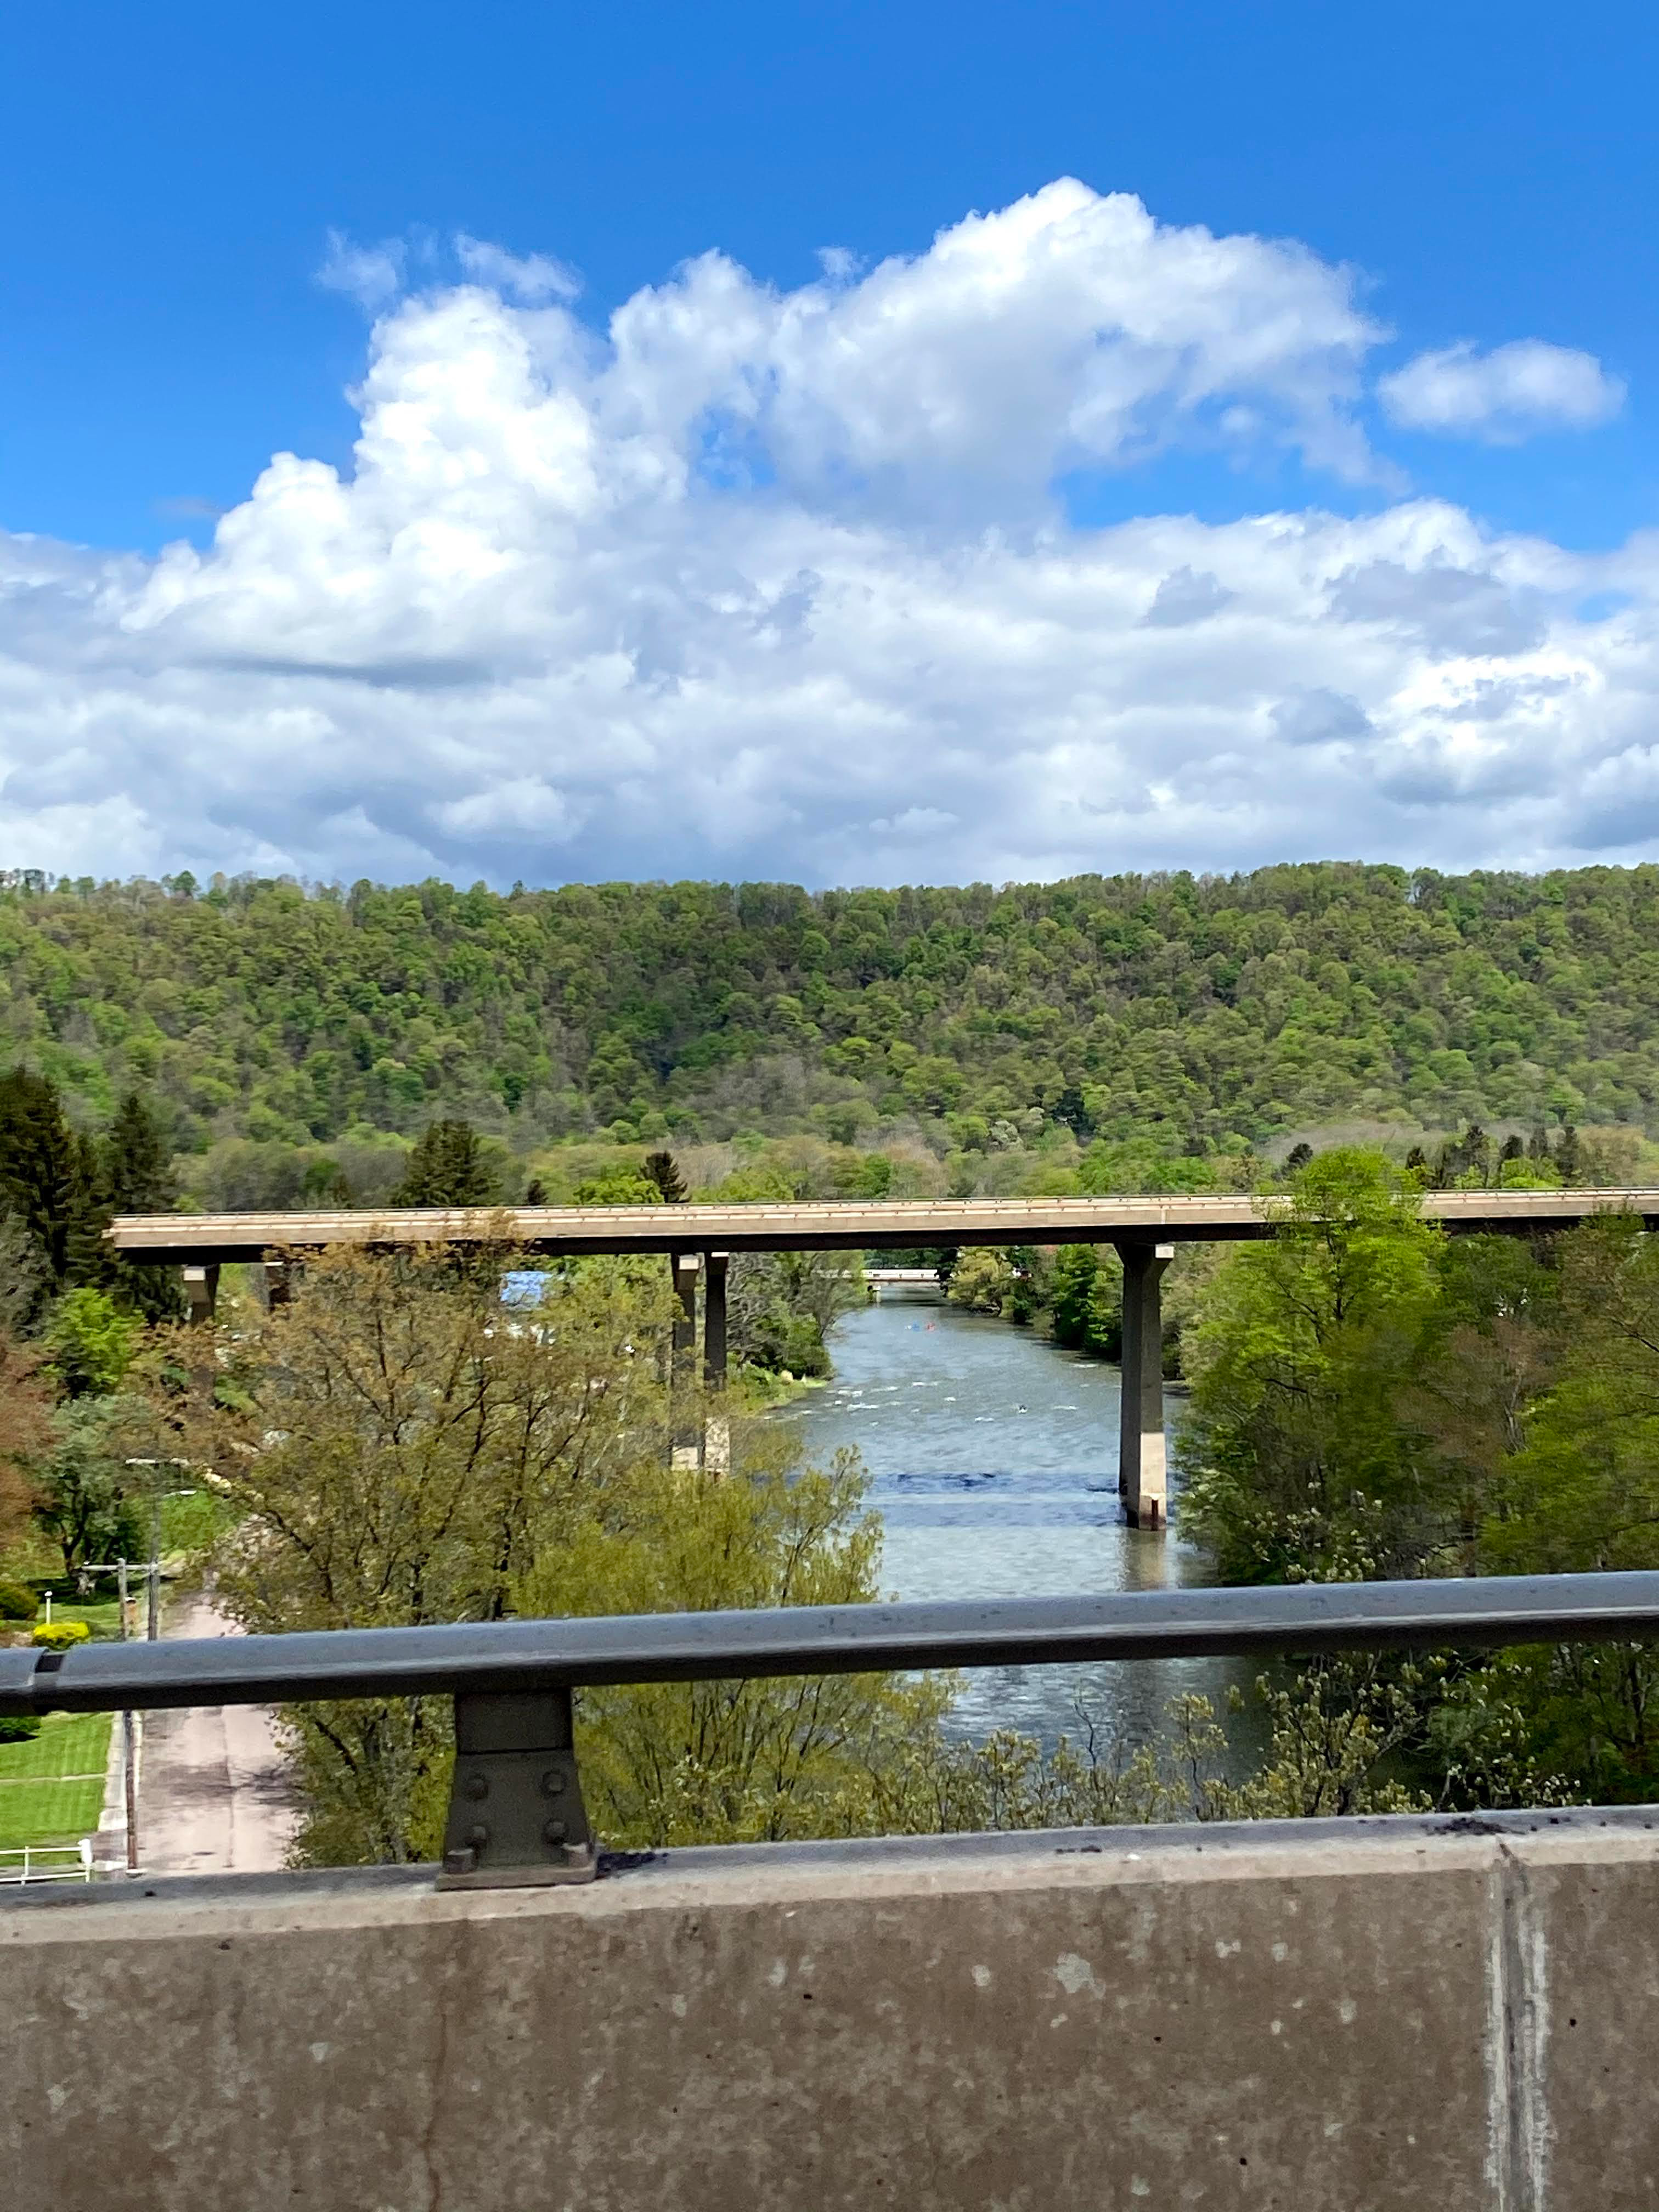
[[516, 1815]]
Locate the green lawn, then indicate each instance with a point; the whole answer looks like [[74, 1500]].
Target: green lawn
[[51, 1791]]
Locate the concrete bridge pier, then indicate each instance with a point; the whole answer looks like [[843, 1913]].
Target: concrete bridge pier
[[686, 1439], [717, 1425], [202, 1290], [1142, 1463]]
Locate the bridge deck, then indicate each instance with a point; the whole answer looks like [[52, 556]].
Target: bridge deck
[[841, 1225]]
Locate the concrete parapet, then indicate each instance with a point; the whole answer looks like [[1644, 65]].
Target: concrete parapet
[[1325, 2017]]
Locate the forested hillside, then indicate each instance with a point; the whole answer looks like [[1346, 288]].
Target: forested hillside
[[1212, 1011]]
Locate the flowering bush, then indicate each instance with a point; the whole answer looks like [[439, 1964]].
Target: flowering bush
[[58, 1635]]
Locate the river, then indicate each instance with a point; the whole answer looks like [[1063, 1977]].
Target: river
[[993, 1454]]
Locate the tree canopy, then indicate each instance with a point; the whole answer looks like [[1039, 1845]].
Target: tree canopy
[[1371, 1397], [1216, 1008]]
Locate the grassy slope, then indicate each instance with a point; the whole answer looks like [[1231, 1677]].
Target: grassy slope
[[51, 1791]]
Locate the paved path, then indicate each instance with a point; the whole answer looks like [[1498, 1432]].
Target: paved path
[[214, 1797]]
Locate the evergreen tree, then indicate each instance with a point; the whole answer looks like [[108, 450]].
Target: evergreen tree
[[137, 1166], [1476, 1149], [448, 1167], [90, 1259], [1071, 1109], [48, 1183], [660, 1169], [133, 1175], [1566, 1154]]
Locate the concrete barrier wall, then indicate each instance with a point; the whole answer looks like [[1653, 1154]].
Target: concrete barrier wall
[[1333, 2017]]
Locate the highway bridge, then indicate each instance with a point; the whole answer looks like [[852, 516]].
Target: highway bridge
[[815, 1225], [698, 1241]]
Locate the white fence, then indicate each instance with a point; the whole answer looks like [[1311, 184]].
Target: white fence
[[48, 1862]]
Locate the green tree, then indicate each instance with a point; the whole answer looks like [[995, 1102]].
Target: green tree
[[730, 1761], [135, 1176], [619, 1186], [1297, 1460], [396, 1456], [83, 1486], [781, 1306], [1574, 1487], [1491, 1346], [1169, 1019], [22, 1276], [43, 1177], [983, 1280], [660, 1169], [90, 1343], [1086, 1300], [448, 1167]]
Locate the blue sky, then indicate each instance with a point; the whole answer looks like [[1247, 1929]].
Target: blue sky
[[1476, 177]]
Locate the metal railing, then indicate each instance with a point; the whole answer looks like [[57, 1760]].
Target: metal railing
[[516, 1814], [47, 1862]]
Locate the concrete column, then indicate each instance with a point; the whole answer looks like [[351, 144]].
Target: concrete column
[[202, 1289], [1142, 1473], [279, 1282], [685, 1447], [717, 1426]]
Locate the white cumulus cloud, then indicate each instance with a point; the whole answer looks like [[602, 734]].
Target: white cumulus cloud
[[370, 275], [529, 279], [779, 584], [1502, 395], [1065, 330]]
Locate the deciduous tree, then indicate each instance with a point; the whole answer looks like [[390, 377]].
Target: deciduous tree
[[1297, 1460]]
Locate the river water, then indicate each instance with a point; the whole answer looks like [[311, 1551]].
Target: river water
[[992, 1455]]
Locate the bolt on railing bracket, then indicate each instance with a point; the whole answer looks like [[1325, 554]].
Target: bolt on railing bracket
[[516, 1817]]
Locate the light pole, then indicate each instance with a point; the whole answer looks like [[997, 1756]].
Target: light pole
[[154, 1620], [122, 1571], [129, 1730]]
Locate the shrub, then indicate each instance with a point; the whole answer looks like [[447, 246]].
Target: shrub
[[17, 1602], [19, 1727], [58, 1635]]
